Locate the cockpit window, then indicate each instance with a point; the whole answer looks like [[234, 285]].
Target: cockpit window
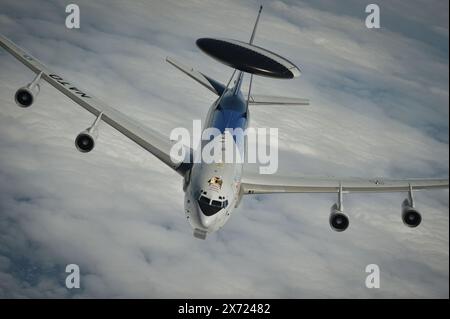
[[216, 203], [210, 207], [207, 208], [204, 200]]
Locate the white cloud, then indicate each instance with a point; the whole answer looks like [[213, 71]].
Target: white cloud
[[379, 108]]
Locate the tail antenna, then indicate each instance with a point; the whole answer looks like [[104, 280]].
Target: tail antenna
[[256, 25]]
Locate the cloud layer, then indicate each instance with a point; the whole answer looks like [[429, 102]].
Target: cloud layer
[[379, 108]]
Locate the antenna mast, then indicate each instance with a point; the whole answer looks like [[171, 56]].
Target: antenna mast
[[256, 25]]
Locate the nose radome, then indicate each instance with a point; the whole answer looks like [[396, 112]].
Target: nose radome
[[206, 221]]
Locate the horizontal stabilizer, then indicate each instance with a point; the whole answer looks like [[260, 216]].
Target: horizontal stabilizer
[[276, 100], [212, 85]]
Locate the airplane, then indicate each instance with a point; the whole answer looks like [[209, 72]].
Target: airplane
[[214, 190]]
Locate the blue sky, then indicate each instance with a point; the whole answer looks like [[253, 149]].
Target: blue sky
[[379, 108]]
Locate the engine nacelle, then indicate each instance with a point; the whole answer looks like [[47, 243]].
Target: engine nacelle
[[85, 141], [25, 96], [338, 220], [410, 216]]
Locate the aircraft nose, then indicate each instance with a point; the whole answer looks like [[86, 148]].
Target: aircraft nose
[[206, 221]]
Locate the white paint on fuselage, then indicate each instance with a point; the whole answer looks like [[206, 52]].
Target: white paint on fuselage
[[201, 173]]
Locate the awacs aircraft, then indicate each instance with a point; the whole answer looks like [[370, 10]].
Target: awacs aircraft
[[213, 191]]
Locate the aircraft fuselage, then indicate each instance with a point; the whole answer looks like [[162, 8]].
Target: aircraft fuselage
[[212, 190]]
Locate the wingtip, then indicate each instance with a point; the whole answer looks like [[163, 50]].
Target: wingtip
[[170, 61]]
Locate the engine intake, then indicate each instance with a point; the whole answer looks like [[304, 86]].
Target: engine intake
[[410, 216], [85, 142], [25, 96], [338, 220]]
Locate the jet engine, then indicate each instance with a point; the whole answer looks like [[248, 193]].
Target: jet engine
[[410, 216], [85, 141], [25, 96], [338, 220]]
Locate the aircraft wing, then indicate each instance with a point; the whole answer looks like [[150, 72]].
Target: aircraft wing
[[267, 184], [150, 140], [276, 100]]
